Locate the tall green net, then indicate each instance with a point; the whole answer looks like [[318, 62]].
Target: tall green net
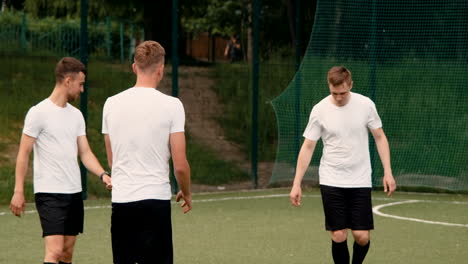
[[411, 58]]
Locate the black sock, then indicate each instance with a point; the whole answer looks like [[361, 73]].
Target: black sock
[[359, 252], [50, 263], [340, 252], [61, 262]]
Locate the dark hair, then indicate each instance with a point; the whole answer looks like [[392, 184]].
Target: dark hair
[[338, 75], [66, 66]]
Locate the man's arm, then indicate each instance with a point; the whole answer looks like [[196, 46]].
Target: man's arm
[[303, 161], [108, 150], [181, 169], [18, 204], [384, 153], [90, 161]]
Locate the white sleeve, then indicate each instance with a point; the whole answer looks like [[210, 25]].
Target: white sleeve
[[313, 130], [105, 110], [178, 121], [32, 123], [373, 121], [81, 125]]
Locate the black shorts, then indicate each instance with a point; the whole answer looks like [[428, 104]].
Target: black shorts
[[60, 213], [142, 232], [347, 208]]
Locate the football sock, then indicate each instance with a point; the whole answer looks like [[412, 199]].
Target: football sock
[[359, 252], [340, 252], [61, 262]]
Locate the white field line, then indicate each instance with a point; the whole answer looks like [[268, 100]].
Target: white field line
[[377, 208]]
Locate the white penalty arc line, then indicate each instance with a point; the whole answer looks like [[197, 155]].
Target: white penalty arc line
[[377, 208]]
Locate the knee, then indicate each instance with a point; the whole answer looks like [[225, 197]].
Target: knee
[[361, 237], [53, 254], [67, 254], [339, 235]]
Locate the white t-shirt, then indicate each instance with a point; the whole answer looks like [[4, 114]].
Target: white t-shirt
[[56, 130], [344, 131], [139, 121]]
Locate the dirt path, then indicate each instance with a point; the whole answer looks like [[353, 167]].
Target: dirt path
[[202, 106]]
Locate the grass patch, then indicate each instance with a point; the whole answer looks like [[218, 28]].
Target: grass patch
[[234, 86], [262, 227], [209, 169]]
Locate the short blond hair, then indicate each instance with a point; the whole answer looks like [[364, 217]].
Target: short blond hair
[[148, 54], [338, 75]]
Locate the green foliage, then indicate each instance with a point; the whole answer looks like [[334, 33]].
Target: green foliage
[[215, 16], [221, 17], [50, 35], [56, 8], [12, 17], [97, 9]]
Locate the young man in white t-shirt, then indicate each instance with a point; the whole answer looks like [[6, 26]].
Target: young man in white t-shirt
[[342, 120], [57, 133], [143, 128]]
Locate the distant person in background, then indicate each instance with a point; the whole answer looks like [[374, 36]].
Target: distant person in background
[[143, 128], [343, 121], [56, 131], [233, 49]]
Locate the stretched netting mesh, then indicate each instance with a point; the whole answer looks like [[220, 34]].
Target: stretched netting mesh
[[411, 58]]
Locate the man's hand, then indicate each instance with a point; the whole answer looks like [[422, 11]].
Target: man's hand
[[187, 204], [295, 195], [389, 184], [106, 179], [18, 204]]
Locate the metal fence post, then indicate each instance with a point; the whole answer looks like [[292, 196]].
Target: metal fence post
[[297, 86], [121, 43], [84, 95], [255, 79], [175, 67], [131, 46], [23, 33], [372, 73], [108, 36]]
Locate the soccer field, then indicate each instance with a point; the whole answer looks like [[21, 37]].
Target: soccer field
[[262, 227]]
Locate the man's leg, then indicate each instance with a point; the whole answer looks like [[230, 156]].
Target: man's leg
[[155, 237], [53, 248], [67, 253], [340, 250], [336, 221], [362, 221], [361, 245], [123, 226]]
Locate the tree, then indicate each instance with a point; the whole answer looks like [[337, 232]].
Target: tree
[[156, 16], [11, 4], [217, 17], [228, 17]]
